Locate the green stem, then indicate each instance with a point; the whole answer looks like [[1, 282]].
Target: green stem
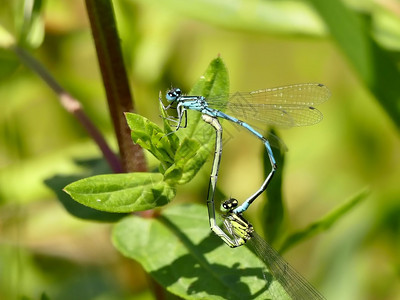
[[109, 54], [71, 104]]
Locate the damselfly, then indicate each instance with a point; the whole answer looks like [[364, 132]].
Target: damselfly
[[286, 106], [237, 231], [241, 231]]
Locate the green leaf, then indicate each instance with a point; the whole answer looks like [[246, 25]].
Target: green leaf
[[56, 183], [323, 224], [179, 251], [31, 25], [214, 82], [165, 116], [122, 192], [273, 209], [152, 138], [21, 21], [253, 15], [374, 65], [198, 137], [187, 163]]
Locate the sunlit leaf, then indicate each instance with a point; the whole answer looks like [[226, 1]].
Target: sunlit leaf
[[179, 251], [122, 192], [56, 183], [31, 23], [188, 161], [198, 137], [152, 138], [214, 82], [252, 15], [21, 22]]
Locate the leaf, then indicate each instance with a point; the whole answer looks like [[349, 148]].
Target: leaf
[[374, 65], [214, 82], [56, 183], [152, 138], [21, 21], [198, 137], [187, 163], [164, 116], [253, 15], [31, 32], [179, 251], [323, 224], [273, 209], [122, 192]]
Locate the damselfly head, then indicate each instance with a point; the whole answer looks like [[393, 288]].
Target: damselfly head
[[229, 204], [173, 94]]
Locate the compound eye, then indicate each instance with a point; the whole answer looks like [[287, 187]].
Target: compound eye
[[171, 95], [229, 205], [234, 203]]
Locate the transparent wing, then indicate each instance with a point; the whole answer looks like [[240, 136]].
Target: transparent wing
[[286, 106], [309, 94], [294, 284], [277, 115]]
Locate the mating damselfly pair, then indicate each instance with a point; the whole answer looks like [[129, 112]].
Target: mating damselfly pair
[[287, 106]]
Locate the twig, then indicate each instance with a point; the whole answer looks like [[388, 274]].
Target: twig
[[71, 104], [109, 54]]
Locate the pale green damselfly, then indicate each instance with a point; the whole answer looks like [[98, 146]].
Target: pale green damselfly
[[237, 231]]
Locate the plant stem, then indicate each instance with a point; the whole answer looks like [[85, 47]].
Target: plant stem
[[72, 105], [109, 54]]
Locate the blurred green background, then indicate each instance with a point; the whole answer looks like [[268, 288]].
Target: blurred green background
[[264, 44]]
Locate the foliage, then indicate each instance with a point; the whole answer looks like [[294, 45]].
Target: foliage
[[195, 263], [179, 163], [176, 232], [45, 254]]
